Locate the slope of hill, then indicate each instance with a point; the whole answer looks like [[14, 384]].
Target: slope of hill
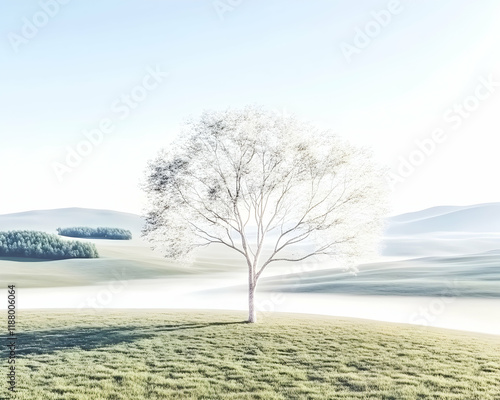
[[124, 260], [200, 354], [445, 234], [442, 231], [471, 219], [50, 220], [426, 213], [439, 244], [474, 275]]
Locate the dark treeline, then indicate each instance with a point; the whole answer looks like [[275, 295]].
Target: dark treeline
[[96, 233], [35, 244]]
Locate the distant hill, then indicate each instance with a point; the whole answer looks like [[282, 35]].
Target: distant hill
[[119, 259], [474, 275], [426, 213], [479, 218], [444, 230], [50, 220], [436, 231], [449, 238]]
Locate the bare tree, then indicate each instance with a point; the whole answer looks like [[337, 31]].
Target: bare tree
[[249, 178]]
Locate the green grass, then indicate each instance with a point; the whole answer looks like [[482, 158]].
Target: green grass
[[147, 354]]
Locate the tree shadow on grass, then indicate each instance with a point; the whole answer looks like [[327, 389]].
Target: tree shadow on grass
[[50, 341]]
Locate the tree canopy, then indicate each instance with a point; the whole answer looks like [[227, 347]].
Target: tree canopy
[[96, 233], [249, 178]]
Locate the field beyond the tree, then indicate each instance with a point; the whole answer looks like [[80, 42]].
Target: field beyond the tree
[[165, 354]]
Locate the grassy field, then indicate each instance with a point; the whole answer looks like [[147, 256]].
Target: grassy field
[[144, 354], [127, 260]]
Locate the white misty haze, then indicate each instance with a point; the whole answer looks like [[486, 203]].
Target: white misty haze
[[286, 56]]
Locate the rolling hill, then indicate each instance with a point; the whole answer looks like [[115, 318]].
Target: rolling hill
[[50, 220], [127, 260], [439, 244], [443, 231], [475, 275], [479, 218]]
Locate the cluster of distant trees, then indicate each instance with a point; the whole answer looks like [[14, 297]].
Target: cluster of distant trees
[[96, 233], [35, 244]]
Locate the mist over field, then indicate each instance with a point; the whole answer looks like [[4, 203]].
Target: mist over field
[[438, 267]]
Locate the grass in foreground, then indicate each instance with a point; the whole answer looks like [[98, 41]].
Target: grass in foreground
[[214, 355]]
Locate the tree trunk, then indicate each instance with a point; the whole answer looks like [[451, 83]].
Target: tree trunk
[[252, 315]]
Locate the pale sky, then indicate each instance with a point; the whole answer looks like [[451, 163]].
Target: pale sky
[[427, 67]]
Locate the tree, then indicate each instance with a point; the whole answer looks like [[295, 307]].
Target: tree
[[246, 179], [96, 233], [43, 245]]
